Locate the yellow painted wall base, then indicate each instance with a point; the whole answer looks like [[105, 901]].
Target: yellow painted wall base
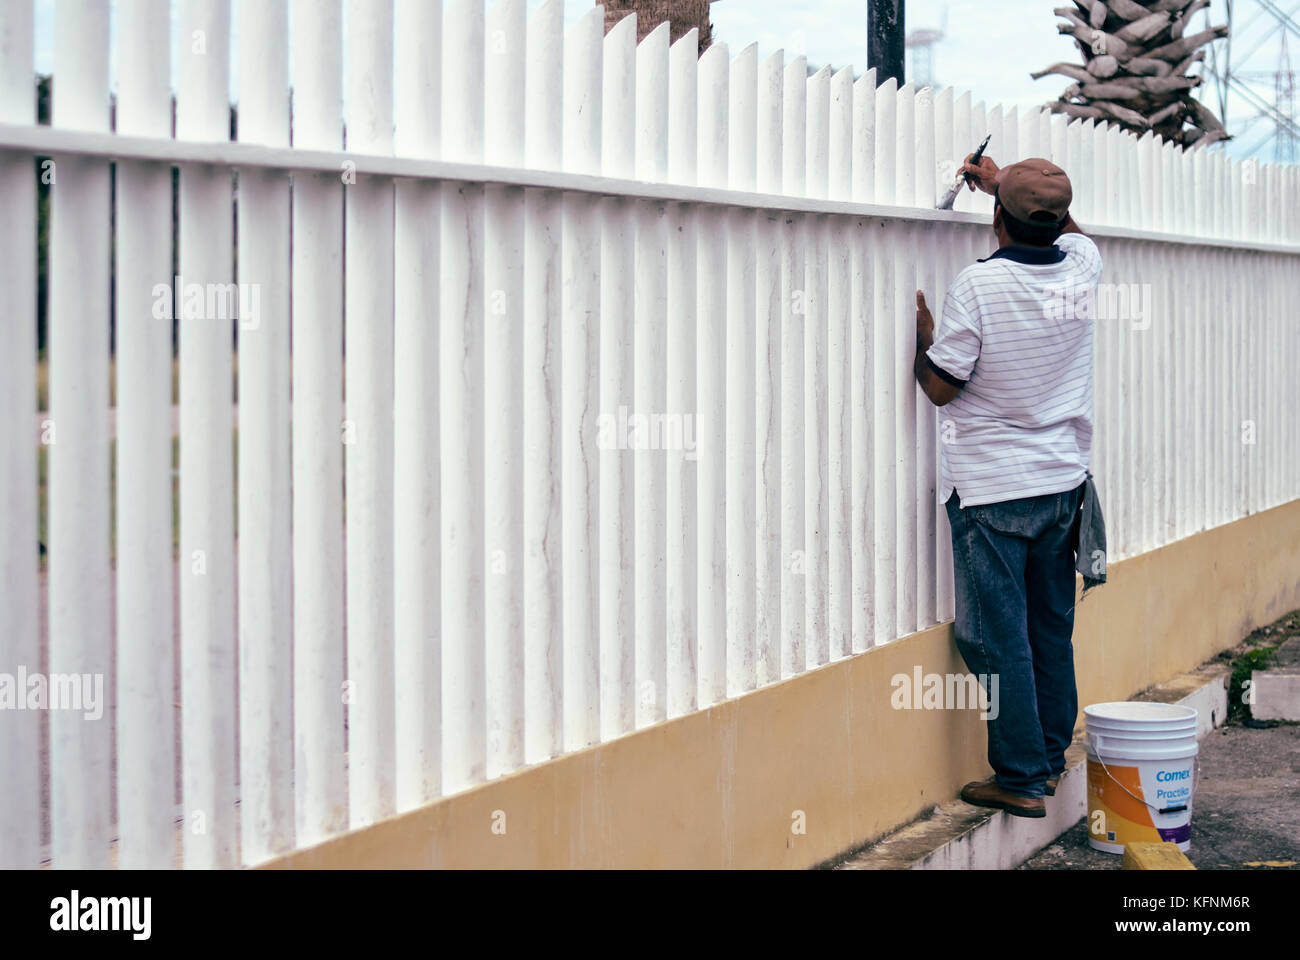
[[797, 772]]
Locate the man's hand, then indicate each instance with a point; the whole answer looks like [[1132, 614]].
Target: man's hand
[[937, 389], [924, 324], [984, 176]]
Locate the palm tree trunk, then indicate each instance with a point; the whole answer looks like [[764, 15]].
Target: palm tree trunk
[[682, 16]]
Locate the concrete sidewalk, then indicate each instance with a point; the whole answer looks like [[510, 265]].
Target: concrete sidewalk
[[1245, 811], [1246, 806]]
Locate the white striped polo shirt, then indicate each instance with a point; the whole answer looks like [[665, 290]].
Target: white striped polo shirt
[[1022, 424]]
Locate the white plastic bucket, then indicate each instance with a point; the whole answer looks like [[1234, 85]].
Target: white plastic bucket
[[1141, 773]]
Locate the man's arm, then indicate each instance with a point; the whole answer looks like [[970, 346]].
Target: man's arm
[[940, 391], [1070, 225]]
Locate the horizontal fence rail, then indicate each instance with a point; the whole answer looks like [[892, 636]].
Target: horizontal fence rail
[[574, 394]]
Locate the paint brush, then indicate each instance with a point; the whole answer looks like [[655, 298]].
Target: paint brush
[[950, 197]]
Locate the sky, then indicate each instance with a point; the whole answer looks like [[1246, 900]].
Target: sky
[[989, 46]]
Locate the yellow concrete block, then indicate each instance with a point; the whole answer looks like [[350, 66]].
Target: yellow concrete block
[[1155, 856]]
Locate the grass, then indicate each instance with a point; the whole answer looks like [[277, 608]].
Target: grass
[[1245, 664], [1255, 653]]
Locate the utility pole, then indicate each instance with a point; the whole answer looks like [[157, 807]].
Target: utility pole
[[885, 29]]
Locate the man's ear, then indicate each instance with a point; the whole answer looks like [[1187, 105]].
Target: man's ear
[[1000, 226]]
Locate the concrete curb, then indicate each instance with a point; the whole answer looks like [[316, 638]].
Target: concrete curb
[[1277, 689], [958, 836]]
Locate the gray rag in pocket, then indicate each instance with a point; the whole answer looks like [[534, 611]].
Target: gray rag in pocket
[[1090, 549]]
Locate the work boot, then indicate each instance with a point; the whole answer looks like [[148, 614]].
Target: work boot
[[1050, 787], [986, 793]]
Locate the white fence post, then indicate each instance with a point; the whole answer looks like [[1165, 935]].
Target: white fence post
[[20, 734], [861, 370], [207, 531], [794, 556], [947, 163], [768, 557], [580, 362], [417, 481], [146, 570], [711, 377], [739, 483], [503, 336], [838, 237], [881, 238], [812, 239], [928, 253], [78, 465], [265, 554], [460, 354], [543, 150], [905, 146], [320, 783], [368, 362], [617, 548], [680, 518], [650, 324]]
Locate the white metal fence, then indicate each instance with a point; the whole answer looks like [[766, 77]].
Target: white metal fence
[[610, 347]]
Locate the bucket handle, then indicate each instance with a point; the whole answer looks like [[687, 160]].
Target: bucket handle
[[1095, 742]]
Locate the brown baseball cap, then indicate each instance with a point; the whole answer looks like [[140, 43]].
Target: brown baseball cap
[[1034, 186]]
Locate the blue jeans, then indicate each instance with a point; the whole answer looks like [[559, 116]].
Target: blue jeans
[[1013, 573]]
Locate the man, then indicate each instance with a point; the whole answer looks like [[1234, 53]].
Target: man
[[1012, 367]]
